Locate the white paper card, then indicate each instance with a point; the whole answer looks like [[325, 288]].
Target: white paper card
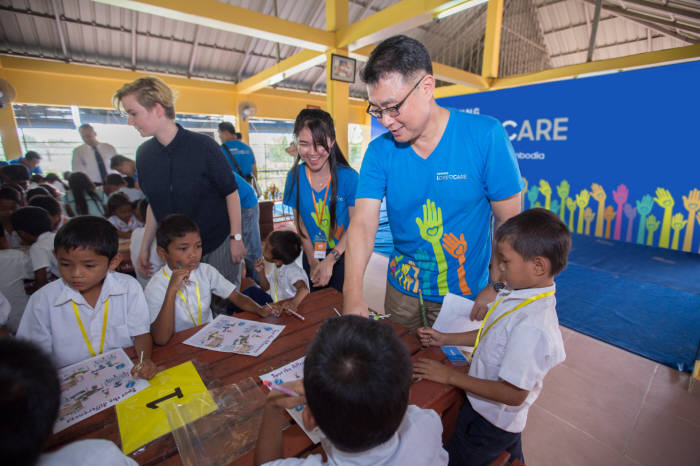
[[454, 317], [233, 335]]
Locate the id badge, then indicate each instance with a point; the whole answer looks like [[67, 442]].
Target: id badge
[[320, 246]]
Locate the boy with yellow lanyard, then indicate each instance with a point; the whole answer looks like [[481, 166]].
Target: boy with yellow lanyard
[[518, 342], [179, 294], [92, 309]]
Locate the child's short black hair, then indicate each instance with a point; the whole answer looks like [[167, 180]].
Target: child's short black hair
[[29, 400], [538, 232], [16, 173], [117, 160], [38, 191], [113, 179], [11, 194], [31, 220], [117, 200], [89, 232], [285, 245], [357, 376], [174, 226], [46, 202]]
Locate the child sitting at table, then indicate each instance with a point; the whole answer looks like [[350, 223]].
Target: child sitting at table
[[287, 279], [179, 294], [137, 239], [33, 225], [115, 183], [30, 396], [518, 343], [50, 205], [93, 309], [11, 199], [357, 378], [120, 212]]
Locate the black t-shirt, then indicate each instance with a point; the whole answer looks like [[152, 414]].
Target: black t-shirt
[[189, 176]]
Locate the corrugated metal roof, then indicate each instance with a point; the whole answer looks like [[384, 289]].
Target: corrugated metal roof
[[537, 34]]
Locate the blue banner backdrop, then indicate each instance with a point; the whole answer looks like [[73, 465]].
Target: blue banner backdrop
[[616, 155]]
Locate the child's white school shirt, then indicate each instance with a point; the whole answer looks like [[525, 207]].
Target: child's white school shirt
[[520, 349], [187, 311], [135, 243], [16, 267], [50, 319], [282, 280], [95, 451], [41, 253]]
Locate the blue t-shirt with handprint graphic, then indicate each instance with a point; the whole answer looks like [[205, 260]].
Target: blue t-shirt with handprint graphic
[[439, 208], [347, 185]]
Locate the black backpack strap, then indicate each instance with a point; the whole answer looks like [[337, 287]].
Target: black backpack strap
[[233, 159]]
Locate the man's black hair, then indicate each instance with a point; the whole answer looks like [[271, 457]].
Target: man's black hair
[[397, 54], [115, 179], [38, 191], [117, 160], [32, 155], [228, 127], [29, 400], [16, 173], [174, 226], [31, 220], [285, 245], [48, 203], [538, 232], [88, 232], [357, 376]]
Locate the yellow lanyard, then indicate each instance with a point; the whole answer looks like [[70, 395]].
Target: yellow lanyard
[[82, 328], [184, 300], [274, 284], [313, 196], [519, 306]]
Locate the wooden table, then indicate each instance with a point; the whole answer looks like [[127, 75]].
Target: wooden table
[[223, 368]]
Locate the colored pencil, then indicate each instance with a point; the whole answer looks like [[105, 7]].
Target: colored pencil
[[422, 309]]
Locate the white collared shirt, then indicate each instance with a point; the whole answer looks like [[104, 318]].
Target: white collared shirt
[[134, 251], [87, 451], [282, 280], [49, 319], [16, 267], [84, 160], [520, 349], [209, 281], [41, 253]]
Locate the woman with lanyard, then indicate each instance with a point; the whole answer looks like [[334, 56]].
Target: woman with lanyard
[[321, 190]]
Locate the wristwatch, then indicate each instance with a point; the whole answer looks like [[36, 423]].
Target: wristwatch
[[335, 255], [498, 286], [236, 237]]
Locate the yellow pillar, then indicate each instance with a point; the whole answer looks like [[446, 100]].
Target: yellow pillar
[[337, 92], [492, 39], [8, 131]]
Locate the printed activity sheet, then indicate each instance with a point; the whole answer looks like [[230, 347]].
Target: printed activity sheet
[[232, 335], [289, 373], [89, 386], [454, 318]]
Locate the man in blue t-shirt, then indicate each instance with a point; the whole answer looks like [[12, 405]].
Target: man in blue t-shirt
[[444, 174], [239, 150], [30, 160]]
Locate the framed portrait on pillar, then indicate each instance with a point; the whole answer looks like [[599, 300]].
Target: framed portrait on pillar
[[343, 68]]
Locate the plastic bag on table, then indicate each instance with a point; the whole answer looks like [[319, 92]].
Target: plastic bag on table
[[224, 435]]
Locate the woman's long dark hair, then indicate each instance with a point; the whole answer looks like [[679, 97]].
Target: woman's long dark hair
[[81, 187], [322, 128]]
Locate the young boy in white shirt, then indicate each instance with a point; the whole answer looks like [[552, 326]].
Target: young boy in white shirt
[[92, 309], [33, 225], [137, 239], [16, 267], [518, 343], [179, 294], [357, 379], [287, 279]]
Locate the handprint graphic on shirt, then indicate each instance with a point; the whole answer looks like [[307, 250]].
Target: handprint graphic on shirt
[[588, 217], [523, 194], [665, 200], [407, 279], [630, 213], [458, 249], [582, 199], [678, 222], [427, 269], [563, 191], [546, 191], [643, 209], [620, 196], [571, 205], [430, 228], [609, 214], [652, 226], [325, 223], [532, 194], [692, 205], [598, 193], [555, 206]]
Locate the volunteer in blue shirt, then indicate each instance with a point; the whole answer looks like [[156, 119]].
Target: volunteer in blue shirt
[[321, 190], [444, 174], [250, 225], [30, 160], [238, 150]]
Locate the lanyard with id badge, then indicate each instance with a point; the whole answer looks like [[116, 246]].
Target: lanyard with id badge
[[320, 240]]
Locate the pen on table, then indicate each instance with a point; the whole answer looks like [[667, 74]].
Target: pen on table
[[422, 308], [140, 364], [187, 281], [337, 312], [284, 390], [295, 314], [272, 309]]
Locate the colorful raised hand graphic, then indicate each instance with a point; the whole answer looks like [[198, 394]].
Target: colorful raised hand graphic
[[588, 217], [427, 270], [430, 228], [339, 231], [416, 283], [630, 213], [652, 226], [571, 205], [563, 191], [609, 214], [582, 200], [643, 209], [392, 265], [698, 222], [678, 222], [522, 194], [325, 223], [665, 200], [620, 196], [692, 205], [598, 193], [457, 249], [407, 279], [555, 206], [546, 191], [532, 194]]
